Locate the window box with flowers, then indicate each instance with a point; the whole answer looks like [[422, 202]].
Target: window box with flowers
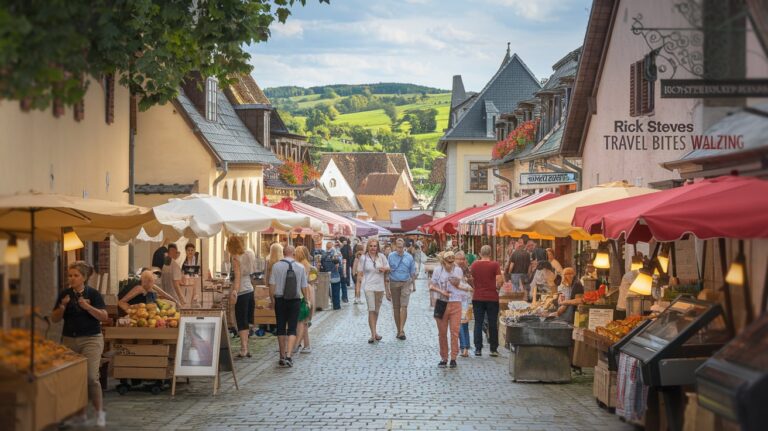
[[517, 140], [296, 173]]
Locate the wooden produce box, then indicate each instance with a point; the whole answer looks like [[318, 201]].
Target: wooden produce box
[[593, 339], [142, 353], [604, 385], [52, 397], [583, 355]]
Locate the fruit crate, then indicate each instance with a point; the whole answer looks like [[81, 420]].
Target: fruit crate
[[599, 342], [51, 397], [604, 386], [142, 353]]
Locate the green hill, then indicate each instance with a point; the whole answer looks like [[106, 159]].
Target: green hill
[[348, 90]]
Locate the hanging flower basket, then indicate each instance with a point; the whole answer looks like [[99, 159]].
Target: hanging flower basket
[[296, 173], [518, 139]]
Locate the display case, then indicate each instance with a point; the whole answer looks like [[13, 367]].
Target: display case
[[678, 341], [734, 382]]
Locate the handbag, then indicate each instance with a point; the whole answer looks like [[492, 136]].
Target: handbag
[[440, 306]]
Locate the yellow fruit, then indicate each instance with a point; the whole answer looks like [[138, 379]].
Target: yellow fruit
[[152, 323], [176, 315], [142, 305], [141, 323], [173, 323]]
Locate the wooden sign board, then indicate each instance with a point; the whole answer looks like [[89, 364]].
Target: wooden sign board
[[202, 348]]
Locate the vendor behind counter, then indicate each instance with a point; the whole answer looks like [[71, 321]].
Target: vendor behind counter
[[144, 293], [570, 294]]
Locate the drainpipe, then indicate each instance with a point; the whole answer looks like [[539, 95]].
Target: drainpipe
[[495, 173], [224, 171]]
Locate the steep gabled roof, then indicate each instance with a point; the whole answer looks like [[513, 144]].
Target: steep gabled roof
[[318, 197], [437, 175], [227, 137], [512, 83], [379, 184], [245, 91], [355, 167]]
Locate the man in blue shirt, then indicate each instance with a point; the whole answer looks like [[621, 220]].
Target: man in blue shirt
[[402, 273]]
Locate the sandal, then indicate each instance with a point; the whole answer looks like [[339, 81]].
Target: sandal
[[370, 341], [378, 338]]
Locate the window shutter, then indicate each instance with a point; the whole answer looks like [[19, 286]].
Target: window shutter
[[644, 91], [632, 90], [109, 98]]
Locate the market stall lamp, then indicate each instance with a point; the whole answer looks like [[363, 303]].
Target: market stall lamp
[[637, 263], [663, 258], [643, 284], [71, 240], [735, 274], [602, 259], [12, 256]]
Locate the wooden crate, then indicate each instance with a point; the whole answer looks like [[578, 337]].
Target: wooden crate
[[593, 339], [142, 373], [583, 355], [604, 385], [133, 333], [142, 353], [51, 397]]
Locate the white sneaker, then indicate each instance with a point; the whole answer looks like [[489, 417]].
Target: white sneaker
[[101, 419], [306, 350], [75, 422]]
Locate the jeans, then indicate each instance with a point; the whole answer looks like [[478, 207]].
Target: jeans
[[491, 308], [335, 295], [516, 282], [464, 336], [344, 284]]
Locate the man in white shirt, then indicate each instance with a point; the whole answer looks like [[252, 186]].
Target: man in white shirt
[[287, 308]]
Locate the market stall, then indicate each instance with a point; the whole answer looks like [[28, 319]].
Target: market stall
[[336, 224], [365, 229]]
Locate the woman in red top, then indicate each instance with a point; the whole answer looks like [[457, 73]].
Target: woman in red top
[[486, 274]]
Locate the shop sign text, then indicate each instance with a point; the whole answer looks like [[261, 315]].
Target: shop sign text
[[652, 135]]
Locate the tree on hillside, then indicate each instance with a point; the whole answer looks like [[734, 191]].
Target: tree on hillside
[[361, 136], [391, 112], [151, 45], [406, 145], [328, 93], [422, 120], [315, 119]]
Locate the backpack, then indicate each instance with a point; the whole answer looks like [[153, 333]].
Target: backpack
[[290, 288]]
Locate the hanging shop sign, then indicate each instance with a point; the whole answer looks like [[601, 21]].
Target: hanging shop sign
[[708, 88], [547, 178]]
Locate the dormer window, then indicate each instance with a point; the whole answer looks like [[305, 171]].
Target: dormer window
[[211, 87]]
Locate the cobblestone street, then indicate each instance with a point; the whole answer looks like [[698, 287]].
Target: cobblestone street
[[346, 383]]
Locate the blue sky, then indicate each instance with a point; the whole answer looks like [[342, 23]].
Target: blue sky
[[417, 41]]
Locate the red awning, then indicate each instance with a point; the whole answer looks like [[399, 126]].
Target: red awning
[[723, 207], [449, 223], [414, 222]]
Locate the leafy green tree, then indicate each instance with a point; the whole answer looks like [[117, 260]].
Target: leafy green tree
[[315, 119], [47, 47], [328, 93], [407, 143], [360, 135], [391, 112]]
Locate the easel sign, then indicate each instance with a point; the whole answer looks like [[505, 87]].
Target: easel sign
[[202, 349]]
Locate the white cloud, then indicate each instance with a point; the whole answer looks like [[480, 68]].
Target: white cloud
[[289, 29], [534, 10]]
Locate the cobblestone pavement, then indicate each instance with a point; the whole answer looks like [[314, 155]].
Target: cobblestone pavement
[[346, 383]]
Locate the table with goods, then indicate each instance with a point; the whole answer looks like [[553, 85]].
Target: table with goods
[[143, 345], [539, 346], [57, 389]]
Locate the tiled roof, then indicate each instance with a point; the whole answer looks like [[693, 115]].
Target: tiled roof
[[438, 201], [512, 83], [400, 163], [458, 94], [566, 67], [227, 137], [165, 189], [437, 175], [245, 91], [379, 184], [357, 166], [318, 197], [547, 146], [272, 180]]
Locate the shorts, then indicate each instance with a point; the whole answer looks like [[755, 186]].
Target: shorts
[[244, 309], [287, 315], [91, 347], [401, 293], [373, 299]]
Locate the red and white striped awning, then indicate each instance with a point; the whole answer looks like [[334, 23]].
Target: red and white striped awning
[[484, 222], [337, 225]]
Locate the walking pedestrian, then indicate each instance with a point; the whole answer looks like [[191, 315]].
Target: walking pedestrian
[[371, 268], [402, 272], [331, 264], [446, 281], [519, 264], [242, 292], [485, 300], [466, 302], [346, 265], [554, 262], [82, 309], [303, 344], [358, 253], [288, 281]]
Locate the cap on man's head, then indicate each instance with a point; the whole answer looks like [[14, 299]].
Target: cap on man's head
[[448, 255]]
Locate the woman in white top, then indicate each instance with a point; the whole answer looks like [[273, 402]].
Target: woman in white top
[[554, 262], [242, 292], [446, 281], [370, 269]]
